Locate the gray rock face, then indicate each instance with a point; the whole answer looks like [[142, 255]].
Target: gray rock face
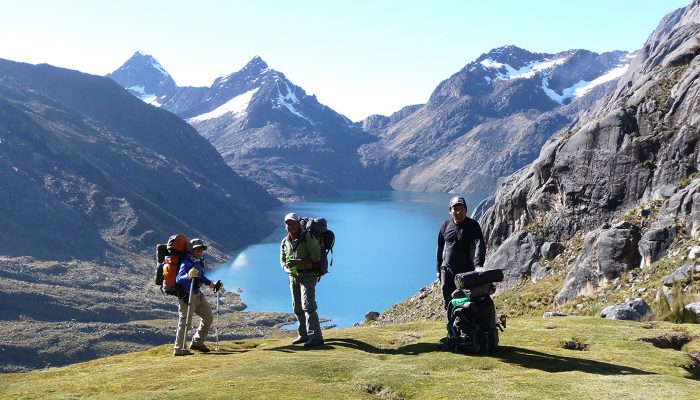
[[634, 310], [550, 250], [654, 243], [681, 275], [639, 140], [486, 121], [515, 257], [89, 170], [606, 254], [539, 271]]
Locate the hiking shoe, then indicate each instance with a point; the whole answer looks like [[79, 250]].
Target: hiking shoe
[[313, 343], [300, 340], [181, 352], [199, 347]]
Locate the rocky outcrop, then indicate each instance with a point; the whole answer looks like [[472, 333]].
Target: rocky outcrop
[[634, 310], [606, 254], [635, 147], [515, 257]]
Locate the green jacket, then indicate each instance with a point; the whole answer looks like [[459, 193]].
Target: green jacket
[[307, 247]]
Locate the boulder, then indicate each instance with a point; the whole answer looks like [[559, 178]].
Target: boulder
[[550, 314], [694, 253], [695, 309], [605, 255], [634, 310], [539, 271], [654, 243], [550, 250], [681, 275], [515, 257], [371, 316]]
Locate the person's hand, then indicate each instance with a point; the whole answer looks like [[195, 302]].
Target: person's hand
[[217, 286], [296, 262], [193, 273]]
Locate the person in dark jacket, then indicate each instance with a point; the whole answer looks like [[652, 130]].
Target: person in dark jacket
[[460, 247], [191, 268]]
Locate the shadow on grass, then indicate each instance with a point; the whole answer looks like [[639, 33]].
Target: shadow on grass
[[553, 363], [411, 349]]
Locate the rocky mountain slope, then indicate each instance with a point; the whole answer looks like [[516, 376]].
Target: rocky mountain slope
[[85, 162], [489, 119], [92, 180], [271, 131], [621, 186]]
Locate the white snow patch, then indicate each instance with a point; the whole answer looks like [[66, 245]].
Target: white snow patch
[[608, 76], [147, 98], [236, 105], [288, 100], [525, 72]]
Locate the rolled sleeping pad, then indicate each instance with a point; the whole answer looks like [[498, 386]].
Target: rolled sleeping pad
[[472, 279]]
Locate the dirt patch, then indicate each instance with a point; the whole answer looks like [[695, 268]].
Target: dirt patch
[[382, 392], [674, 341], [575, 344], [693, 367]]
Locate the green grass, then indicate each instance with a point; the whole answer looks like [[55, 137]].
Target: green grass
[[392, 362]]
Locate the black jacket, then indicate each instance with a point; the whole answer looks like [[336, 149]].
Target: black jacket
[[460, 246]]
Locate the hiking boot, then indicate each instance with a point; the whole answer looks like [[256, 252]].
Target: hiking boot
[[313, 342], [199, 347], [181, 352], [300, 340]]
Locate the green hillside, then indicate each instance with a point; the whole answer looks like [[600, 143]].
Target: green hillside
[[399, 361]]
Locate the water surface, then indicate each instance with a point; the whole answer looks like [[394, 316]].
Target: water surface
[[384, 253]]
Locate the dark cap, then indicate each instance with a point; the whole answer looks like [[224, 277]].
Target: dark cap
[[197, 243], [458, 200]]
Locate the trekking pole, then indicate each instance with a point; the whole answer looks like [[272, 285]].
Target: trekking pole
[[187, 320], [216, 348]]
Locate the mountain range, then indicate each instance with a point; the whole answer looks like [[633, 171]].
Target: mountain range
[[481, 124], [267, 129]]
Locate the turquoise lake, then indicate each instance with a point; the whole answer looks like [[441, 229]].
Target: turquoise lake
[[384, 253]]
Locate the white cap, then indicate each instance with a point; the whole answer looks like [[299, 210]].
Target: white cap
[[291, 217]]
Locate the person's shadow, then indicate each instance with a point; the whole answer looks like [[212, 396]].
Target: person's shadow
[[510, 354], [411, 349], [555, 363]]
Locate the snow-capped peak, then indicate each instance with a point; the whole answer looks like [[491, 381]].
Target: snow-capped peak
[[529, 70], [237, 106]]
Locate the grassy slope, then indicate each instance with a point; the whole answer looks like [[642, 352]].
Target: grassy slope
[[390, 362]]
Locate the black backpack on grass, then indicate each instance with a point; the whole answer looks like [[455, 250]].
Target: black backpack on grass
[[472, 323], [318, 227]]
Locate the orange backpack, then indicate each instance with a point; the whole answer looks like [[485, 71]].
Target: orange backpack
[[168, 257]]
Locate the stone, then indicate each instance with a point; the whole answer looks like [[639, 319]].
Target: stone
[[605, 255], [681, 275], [371, 316], [515, 257], [539, 271], [634, 310], [694, 253], [654, 244], [550, 314], [695, 309], [550, 250]]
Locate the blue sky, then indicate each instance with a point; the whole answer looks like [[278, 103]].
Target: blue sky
[[359, 57]]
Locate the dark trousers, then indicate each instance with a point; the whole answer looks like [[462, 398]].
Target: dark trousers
[[447, 281]]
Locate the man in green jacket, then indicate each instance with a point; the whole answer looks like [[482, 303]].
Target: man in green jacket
[[297, 253]]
